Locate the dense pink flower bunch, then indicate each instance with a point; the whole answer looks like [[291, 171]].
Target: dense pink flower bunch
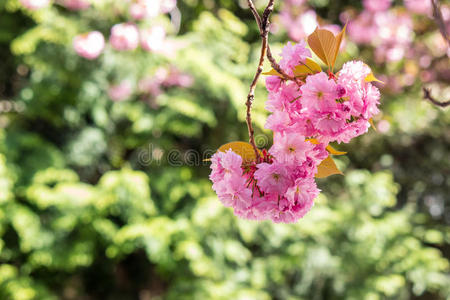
[[305, 116]]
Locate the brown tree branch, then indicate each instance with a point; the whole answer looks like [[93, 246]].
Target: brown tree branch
[[427, 96], [263, 24], [437, 15], [269, 55]]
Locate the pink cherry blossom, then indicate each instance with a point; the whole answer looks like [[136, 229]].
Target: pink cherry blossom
[[301, 195], [124, 36], [273, 83], [273, 178], [290, 148], [89, 45], [319, 93], [279, 121], [293, 55]]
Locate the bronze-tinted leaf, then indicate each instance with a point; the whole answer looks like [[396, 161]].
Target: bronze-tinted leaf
[[323, 43], [327, 168], [333, 151], [245, 150], [309, 67], [371, 78], [339, 38], [372, 124], [272, 72], [330, 149]]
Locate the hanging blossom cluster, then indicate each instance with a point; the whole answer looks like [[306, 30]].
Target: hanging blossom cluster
[[309, 109]]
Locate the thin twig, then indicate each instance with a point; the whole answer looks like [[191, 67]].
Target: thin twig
[[270, 57], [437, 15], [263, 24], [427, 96], [255, 14]]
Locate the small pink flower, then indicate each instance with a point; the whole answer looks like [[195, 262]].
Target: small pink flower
[[279, 121], [121, 91], [273, 83], [153, 39], [273, 178], [89, 45], [302, 194], [293, 55], [290, 148], [124, 36], [35, 4], [319, 93]]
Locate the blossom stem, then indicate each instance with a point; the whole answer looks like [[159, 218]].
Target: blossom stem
[[263, 24]]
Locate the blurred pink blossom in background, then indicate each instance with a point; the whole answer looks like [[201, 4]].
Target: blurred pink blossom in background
[[168, 5], [300, 26], [76, 4], [124, 36], [121, 91], [89, 45], [377, 5], [152, 39], [361, 29], [391, 32], [164, 77], [422, 7], [35, 4]]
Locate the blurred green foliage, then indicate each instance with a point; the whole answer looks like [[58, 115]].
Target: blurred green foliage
[[84, 216]]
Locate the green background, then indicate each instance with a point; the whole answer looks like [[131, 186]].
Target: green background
[[84, 215]]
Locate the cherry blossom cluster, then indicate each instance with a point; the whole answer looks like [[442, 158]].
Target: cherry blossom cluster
[[306, 115], [327, 107]]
